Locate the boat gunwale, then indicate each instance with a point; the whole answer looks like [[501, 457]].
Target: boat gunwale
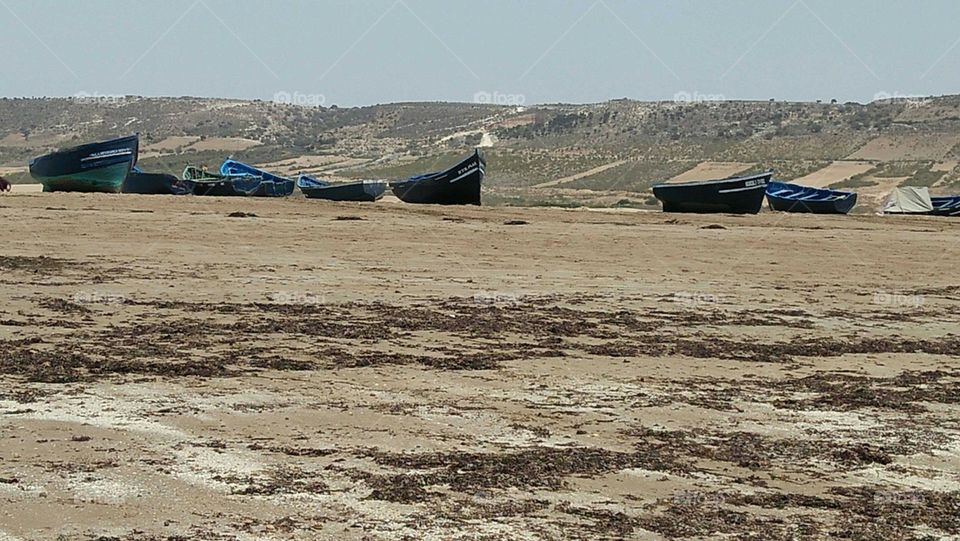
[[718, 181], [477, 155], [839, 194], [78, 148]]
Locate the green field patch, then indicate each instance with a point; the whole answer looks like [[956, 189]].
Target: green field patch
[[633, 176]]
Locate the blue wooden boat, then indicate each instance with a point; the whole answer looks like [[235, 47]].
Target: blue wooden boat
[[271, 185], [197, 181], [787, 197], [365, 190], [93, 167], [946, 205], [140, 182], [735, 195], [231, 167], [459, 185]]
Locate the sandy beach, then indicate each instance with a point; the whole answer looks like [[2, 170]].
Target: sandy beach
[[204, 368]]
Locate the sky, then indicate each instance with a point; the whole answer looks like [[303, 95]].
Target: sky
[[523, 52]]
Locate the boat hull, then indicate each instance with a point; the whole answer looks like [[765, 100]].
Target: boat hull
[[740, 195], [275, 189], [946, 206], [366, 191], [138, 182], [459, 185], [101, 180], [221, 188], [786, 197], [271, 185], [202, 183], [94, 167]]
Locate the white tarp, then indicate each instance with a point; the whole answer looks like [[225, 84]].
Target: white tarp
[[909, 200]]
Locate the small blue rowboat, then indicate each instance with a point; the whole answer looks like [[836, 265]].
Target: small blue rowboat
[[231, 167], [271, 185], [787, 197], [946, 205], [366, 190]]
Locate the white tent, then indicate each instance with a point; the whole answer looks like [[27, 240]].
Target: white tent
[[908, 200]]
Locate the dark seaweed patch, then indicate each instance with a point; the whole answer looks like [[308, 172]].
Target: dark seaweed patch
[[465, 361], [872, 513], [758, 452], [64, 306], [280, 480], [538, 467], [843, 392], [36, 264]]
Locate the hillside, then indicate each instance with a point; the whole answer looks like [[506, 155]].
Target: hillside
[[550, 154]]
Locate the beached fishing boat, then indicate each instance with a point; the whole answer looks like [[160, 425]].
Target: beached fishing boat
[[948, 205], [736, 195], [787, 197], [197, 181], [271, 185], [231, 167], [364, 190], [459, 185], [93, 167], [140, 182]]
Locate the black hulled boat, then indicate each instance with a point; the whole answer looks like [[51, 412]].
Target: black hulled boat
[[459, 185], [93, 167], [735, 195], [364, 190], [140, 182], [198, 181]]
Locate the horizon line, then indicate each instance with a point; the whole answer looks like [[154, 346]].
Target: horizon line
[[681, 98]]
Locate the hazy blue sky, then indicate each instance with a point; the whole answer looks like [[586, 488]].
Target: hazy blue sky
[[356, 52]]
